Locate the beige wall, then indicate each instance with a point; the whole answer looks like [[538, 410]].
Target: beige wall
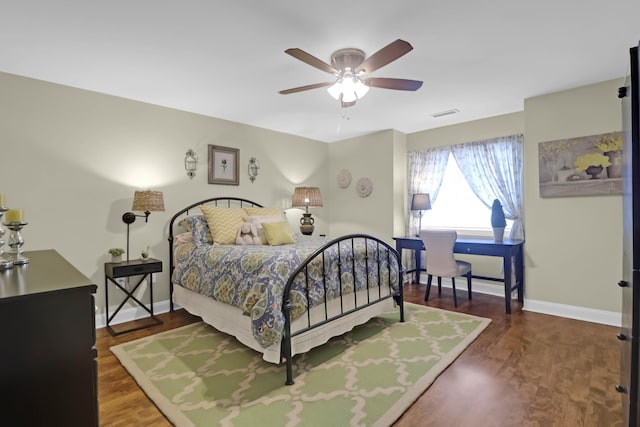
[[72, 160], [371, 156], [574, 244]]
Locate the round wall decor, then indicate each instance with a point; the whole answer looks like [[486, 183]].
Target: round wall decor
[[344, 178], [364, 187]]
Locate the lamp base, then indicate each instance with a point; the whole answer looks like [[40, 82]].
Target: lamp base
[[306, 224]]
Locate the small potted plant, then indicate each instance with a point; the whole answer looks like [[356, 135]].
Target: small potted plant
[[116, 254], [498, 220], [145, 254]]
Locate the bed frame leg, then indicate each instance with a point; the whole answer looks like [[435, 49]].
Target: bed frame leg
[[286, 343]]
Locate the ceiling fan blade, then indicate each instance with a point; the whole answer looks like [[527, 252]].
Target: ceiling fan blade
[[397, 84], [311, 60], [303, 88], [387, 54]]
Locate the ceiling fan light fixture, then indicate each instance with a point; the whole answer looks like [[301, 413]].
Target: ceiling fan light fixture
[[348, 89], [352, 69], [335, 90]]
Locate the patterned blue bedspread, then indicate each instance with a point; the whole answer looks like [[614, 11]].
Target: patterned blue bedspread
[[253, 277]]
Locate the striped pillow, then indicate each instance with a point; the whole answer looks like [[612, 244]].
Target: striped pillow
[[223, 223], [253, 211]]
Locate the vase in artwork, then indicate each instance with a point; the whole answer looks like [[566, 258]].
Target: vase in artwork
[[615, 170], [594, 171]]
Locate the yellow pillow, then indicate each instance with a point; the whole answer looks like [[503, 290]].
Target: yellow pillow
[[266, 211], [223, 223], [258, 220], [278, 233]]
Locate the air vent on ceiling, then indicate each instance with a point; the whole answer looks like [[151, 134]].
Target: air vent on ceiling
[[445, 113]]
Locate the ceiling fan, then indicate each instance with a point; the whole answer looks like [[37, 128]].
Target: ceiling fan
[[350, 66]]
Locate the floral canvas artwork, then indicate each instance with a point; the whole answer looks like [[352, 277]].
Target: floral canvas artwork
[[582, 166]]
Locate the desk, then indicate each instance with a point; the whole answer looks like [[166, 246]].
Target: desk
[[507, 250]]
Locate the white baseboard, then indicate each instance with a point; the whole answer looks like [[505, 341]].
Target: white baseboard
[[611, 318], [132, 313], [574, 312], [554, 309]]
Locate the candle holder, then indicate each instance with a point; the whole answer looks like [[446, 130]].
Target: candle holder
[[4, 264], [16, 241]]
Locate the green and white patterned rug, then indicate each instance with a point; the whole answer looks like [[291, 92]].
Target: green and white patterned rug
[[198, 376]]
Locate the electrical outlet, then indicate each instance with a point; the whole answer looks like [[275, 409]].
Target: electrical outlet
[[121, 281]]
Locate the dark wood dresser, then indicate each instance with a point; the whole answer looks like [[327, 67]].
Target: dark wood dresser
[[48, 368]]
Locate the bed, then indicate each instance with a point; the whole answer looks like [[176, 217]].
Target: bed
[[278, 299]]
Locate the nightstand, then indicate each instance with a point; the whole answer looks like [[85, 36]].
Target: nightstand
[[126, 269]]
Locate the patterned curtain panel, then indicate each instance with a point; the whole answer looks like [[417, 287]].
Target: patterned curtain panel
[[426, 170], [493, 169]]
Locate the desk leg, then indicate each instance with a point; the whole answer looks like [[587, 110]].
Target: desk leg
[[417, 253], [507, 282], [520, 274]]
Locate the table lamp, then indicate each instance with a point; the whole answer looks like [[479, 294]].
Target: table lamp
[[147, 201], [306, 197], [420, 202]]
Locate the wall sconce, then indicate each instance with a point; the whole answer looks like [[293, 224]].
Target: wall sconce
[[147, 201], [252, 169], [191, 163]]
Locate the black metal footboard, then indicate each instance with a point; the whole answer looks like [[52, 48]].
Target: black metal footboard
[[351, 272]]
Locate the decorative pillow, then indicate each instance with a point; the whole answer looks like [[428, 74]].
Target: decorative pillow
[[266, 211], [258, 220], [183, 238], [187, 223], [278, 233], [223, 223], [199, 228]]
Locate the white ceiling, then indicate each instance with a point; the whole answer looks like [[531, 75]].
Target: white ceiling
[[226, 58]]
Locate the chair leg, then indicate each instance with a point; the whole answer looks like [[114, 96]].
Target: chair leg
[[469, 284], [453, 285], [439, 286], [426, 294]]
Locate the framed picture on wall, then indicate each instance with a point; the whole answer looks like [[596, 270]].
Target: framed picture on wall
[[224, 165], [581, 166]]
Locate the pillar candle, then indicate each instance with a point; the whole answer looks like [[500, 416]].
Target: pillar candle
[[14, 215], [1, 200]]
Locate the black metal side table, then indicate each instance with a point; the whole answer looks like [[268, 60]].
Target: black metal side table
[[135, 267]]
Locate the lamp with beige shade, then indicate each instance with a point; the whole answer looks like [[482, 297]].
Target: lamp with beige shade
[[147, 201], [306, 197]]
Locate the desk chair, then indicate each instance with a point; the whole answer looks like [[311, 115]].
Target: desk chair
[[441, 262]]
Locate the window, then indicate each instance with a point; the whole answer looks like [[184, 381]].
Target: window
[[457, 207]]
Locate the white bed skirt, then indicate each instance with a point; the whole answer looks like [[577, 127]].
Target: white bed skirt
[[230, 320]]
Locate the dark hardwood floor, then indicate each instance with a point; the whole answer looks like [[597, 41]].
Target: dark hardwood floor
[[525, 369]]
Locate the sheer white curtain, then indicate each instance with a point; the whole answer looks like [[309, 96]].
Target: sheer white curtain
[[493, 169], [426, 170]]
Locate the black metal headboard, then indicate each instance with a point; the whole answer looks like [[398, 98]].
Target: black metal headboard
[[227, 202]]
